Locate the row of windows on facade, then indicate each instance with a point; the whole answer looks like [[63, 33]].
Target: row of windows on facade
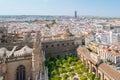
[[67, 44]]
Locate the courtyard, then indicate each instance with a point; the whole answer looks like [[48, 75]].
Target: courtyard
[[68, 68]]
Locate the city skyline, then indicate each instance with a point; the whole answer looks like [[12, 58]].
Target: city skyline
[[104, 8]]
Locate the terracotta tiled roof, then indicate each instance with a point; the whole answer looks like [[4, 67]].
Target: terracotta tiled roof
[[117, 21], [107, 49], [109, 71], [111, 51]]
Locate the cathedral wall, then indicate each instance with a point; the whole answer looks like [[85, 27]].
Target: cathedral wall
[[10, 46], [12, 68]]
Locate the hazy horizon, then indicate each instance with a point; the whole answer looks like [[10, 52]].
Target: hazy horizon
[[104, 8]]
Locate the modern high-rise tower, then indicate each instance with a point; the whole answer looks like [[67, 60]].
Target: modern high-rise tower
[[75, 14]]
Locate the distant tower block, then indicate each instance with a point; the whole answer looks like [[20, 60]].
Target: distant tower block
[[75, 14]]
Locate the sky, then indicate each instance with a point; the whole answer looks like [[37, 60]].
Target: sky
[[107, 8]]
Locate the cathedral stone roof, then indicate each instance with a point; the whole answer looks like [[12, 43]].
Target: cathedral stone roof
[[24, 51], [3, 51]]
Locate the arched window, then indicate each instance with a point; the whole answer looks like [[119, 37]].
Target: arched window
[[94, 70], [20, 74], [99, 75]]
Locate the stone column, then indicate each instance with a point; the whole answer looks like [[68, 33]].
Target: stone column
[[102, 76]]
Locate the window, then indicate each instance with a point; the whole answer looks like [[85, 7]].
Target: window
[[46, 46], [63, 44], [67, 43], [57, 44], [52, 45], [72, 43], [20, 73]]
